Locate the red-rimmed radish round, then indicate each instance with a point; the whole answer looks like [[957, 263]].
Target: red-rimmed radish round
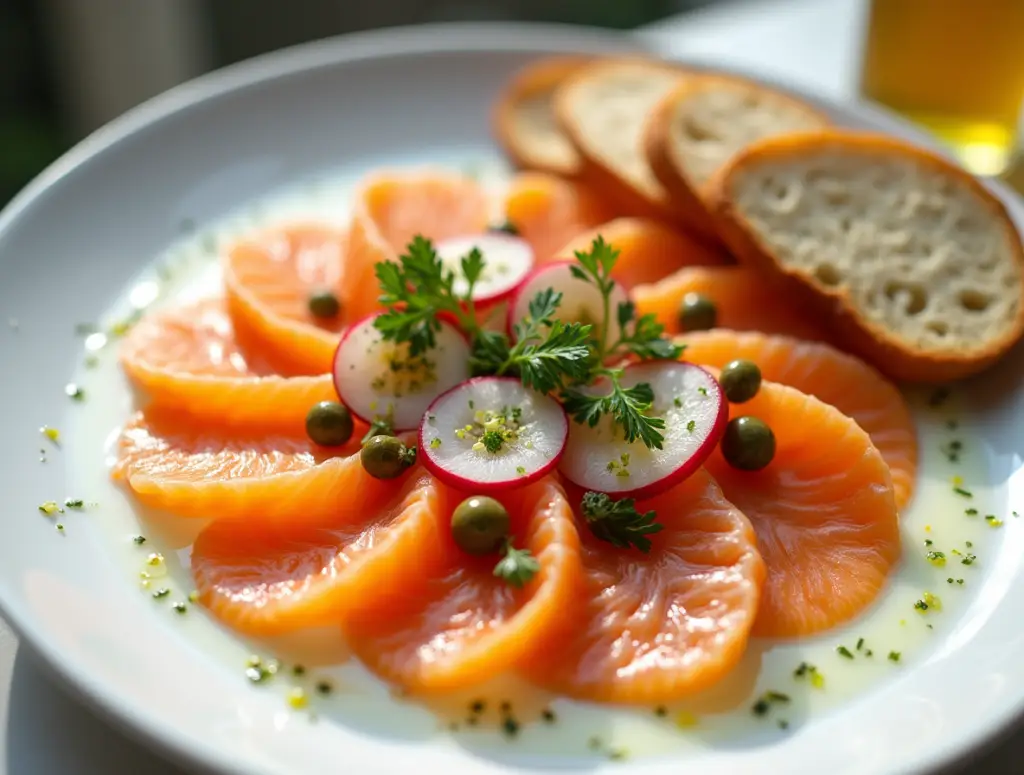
[[507, 262], [581, 301], [695, 411], [491, 433], [377, 379]]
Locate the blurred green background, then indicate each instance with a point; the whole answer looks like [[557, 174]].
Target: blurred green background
[[68, 66]]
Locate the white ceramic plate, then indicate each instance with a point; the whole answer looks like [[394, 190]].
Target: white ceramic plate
[[73, 240]]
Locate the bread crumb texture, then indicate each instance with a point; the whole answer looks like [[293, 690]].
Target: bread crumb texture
[[612, 103], [533, 122], [914, 250], [713, 122]]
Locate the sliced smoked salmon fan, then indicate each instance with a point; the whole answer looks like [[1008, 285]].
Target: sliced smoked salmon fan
[[844, 381], [269, 279], [187, 359], [191, 469], [824, 512], [651, 628]]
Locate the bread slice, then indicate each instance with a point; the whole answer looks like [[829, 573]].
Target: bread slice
[[524, 121], [915, 264], [699, 125], [602, 109]]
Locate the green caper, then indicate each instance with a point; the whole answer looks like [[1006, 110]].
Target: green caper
[[329, 424], [479, 525], [740, 380], [385, 457], [324, 305], [506, 227], [697, 313], [748, 443]]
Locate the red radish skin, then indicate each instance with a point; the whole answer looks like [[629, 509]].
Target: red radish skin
[[355, 371], [508, 261], [439, 424], [556, 275], [590, 450]]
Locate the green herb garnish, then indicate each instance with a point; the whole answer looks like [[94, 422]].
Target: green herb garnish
[[618, 522], [517, 567], [844, 652]]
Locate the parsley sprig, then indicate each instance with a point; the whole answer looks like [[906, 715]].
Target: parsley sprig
[[517, 567], [548, 355], [618, 522]]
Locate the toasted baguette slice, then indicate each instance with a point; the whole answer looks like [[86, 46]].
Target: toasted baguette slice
[[699, 125], [602, 109], [914, 263], [524, 121]]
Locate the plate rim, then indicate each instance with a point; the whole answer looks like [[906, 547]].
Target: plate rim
[[147, 727]]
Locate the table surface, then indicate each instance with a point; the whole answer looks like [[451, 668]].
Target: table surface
[[814, 44]]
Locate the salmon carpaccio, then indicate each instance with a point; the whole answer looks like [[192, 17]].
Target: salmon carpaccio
[[300, 536]]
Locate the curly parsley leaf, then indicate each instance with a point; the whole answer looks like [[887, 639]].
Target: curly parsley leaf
[[627, 407], [618, 522], [563, 355], [517, 567]]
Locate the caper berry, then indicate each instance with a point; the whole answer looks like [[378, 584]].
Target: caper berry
[[324, 305], [385, 457], [748, 443], [506, 227], [740, 380], [479, 525], [329, 424], [697, 313]]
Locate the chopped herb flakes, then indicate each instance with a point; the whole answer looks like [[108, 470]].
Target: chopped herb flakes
[[60, 527], [783, 724], [860, 644], [298, 671], [844, 652], [661, 711], [702, 390], [180, 607], [968, 559], [766, 700], [961, 491], [894, 656], [691, 426], [971, 512], [74, 503], [324, 687], [510, 726], [548, 716], [993, 520], [162, 592], [928, 602], [938, 559], [139, 540], [74, 392]]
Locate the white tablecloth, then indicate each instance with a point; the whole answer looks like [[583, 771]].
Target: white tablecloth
[[811, 43]]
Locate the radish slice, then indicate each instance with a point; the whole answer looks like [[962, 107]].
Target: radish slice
[[695, 413], [491, 433], [377, 379], [507, 262], [581, 301]]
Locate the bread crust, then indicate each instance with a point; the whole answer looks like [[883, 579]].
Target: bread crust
[[632, 201], [689, 197], [871, 341], [539, 76]]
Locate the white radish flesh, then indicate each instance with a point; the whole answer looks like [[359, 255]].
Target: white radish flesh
[[532, 429], [507, 262], [690, 401], [377, 379], [581, 301]]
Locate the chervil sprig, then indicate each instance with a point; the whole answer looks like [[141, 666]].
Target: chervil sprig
[[628, 408], [517, 567]]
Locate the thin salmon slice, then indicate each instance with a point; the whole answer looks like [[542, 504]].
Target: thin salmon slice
[[548, 211], [390, 210], [651, 628], [460, 625], [178, 464], [187, 359], [743, 301], [824, 512], [269, 577], [648, 250], [268, 280], [844, 381]]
